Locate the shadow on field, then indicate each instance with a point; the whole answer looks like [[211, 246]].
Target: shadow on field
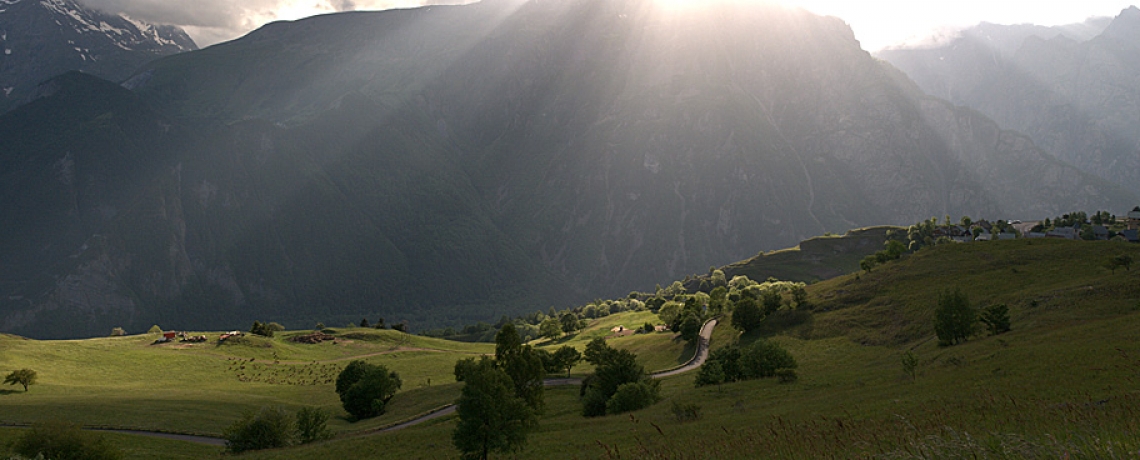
[[9, 392]]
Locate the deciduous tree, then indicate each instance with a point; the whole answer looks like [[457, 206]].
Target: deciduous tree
[[23, 377], [491, 417]]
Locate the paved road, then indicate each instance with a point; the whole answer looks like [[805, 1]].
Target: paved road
[[698, 359]]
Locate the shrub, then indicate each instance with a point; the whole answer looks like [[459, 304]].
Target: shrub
[[633, 396], [763, 358], [910, 364], [154, 330], [57, 440], [311, 425], [268, 428], [996, 318], [118, 332], [786, 376], [686, 412]]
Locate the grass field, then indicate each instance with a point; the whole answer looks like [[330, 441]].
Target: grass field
[[1062, 384]]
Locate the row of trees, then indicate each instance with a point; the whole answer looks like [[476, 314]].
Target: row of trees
[[762, 359], [273, 427]]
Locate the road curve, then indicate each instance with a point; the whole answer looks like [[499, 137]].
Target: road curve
[[699, 358]]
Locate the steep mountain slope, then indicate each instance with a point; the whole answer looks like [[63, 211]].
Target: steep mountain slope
[[1074, 95], [40, 39], [452, 164]]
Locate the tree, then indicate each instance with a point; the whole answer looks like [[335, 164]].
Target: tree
[[771, 301], [312, 425], [996, 318], [569, 323], [567, 357], [763, 358], [954, 318], [690, 327], [379, 323], [365, 388], [632, 396], [491, 417], [550, 328], [401, 327], [747, 316], [23, 377], [364, 322], [613, 368], [522, 364], [63, 440], [800, 296], [711, 373], [868, 263], [268, 428]]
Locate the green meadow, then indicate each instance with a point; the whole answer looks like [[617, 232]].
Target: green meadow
[[1063, 383]]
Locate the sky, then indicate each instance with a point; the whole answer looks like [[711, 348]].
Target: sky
[[877, 23]]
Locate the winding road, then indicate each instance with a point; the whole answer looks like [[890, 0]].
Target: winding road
[[698, 358]]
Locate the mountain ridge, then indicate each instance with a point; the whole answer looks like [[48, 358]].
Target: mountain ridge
[[444, 165]]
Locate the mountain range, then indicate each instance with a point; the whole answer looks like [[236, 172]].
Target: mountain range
[[1072, 89], [40, 39], [450, 164]]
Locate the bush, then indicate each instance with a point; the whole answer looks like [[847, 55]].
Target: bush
[[686, 412], [763, 358], [996, 318], [154, 330], [786, 376], [59, 440], [118, 332], [311, 425], [268, 428], [365, 389], [633, 396]]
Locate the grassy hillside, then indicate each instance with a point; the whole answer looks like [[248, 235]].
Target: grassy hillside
[[1062, 383]]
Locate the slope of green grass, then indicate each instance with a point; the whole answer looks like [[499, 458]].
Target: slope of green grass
[[1061, 384], [130, 382]]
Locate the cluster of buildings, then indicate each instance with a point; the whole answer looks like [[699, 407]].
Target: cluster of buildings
[[1131, 231]]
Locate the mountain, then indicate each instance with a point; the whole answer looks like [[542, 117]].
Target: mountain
[[1073, 94], [451, 164], [40, 39]]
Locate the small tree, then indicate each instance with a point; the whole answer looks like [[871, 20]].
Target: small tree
[[747, 316], [23, 377], [569, 323], [269, 428], [996, 318], [491, 417], [711, 373], [567, 357], [154, 330], [365, 388], [954, 318], [312, 425], [550, 328], [910, 364], [364, 322], [633, 396], [401, 327]]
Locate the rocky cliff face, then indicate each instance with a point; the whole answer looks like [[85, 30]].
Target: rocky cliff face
[[1073, 94], [453, 164], [40, 39]]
